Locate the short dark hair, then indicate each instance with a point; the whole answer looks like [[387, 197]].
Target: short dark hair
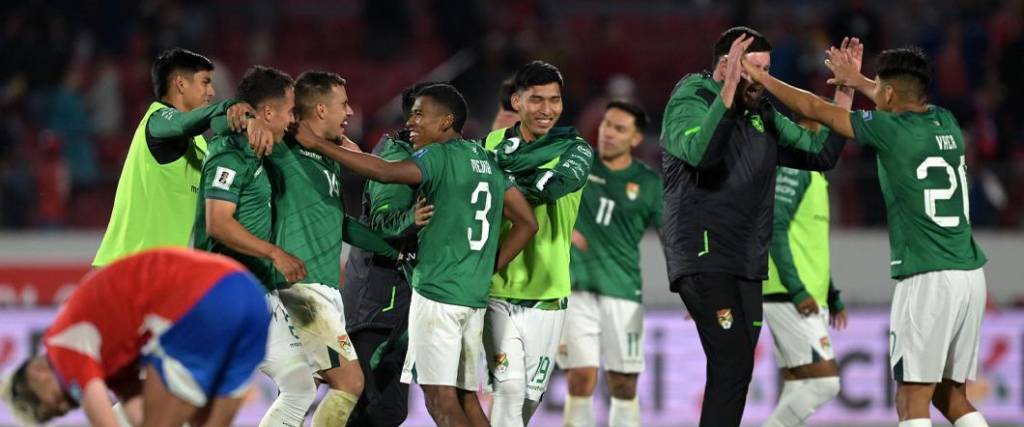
[[448, 96], [262, 83], [760, 43], [908, 64], [19, 394], [639, 115], [505, 91], [312, 85], [409, 96], [536, 73], [172, 60]]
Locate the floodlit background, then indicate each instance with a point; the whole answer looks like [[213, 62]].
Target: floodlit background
[[74, 82]]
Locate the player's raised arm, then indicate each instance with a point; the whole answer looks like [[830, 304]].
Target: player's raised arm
[[369, 165], [803, 102], [524, 226], [697, 121]]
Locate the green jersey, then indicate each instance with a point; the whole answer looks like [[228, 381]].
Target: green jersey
[[232, 172], [798, 261], [156, 198], [458, 247], [923, 174], [617, 208], [309, 210], [551, 171]]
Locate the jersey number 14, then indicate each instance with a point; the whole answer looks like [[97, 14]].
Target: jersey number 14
[[484, 189], [932, 196]]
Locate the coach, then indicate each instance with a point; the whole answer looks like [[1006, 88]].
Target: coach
[[722, 145]]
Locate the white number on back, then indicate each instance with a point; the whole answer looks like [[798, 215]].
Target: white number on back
[[931, 196], [481, 215]]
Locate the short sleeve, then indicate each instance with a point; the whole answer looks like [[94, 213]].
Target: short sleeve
[[224, 176], [430, 160], [73, 353], [872, 128]]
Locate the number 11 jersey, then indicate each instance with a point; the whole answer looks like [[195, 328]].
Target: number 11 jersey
[[923, 175], [458, 247]]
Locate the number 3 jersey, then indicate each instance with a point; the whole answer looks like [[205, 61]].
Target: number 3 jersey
[[459, 246], [923, 175], [617, 207]]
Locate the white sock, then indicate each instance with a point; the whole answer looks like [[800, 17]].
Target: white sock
[[916, 422], [972, 419], [624, 413], [800, 399], [579, 411], [507, 409], [298, 391], [122, 417]]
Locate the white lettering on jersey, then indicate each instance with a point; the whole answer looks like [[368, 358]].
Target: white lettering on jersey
[[480, 166], [332, 184], [946, 142]]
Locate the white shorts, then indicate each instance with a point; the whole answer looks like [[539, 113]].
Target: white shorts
[[284, 351], [935, 326], [521, 344], [444, 344], [799, 340], [599, 326], [319, 321]]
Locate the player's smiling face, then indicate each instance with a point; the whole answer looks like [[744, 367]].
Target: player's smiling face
[[428, 121], [196, 89], [752, 92], [617, 134], [337, 111], [539, 108]]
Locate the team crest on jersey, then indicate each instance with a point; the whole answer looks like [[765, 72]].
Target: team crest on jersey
[[632, 190], [756, 121], [724, 318], [501, 363], [223, 178], [826, 344]]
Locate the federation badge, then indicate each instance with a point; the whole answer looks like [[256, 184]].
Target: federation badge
[[563, 350], [724, 318], [826, 344], [500, 363], [632, 190]]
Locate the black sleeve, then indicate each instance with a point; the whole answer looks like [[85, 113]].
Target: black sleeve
[[823, 160]]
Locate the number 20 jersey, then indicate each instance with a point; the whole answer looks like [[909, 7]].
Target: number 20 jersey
[[459, 246], [923, 175]]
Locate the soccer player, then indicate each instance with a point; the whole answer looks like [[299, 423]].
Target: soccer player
[[234, 218], [799, 298], [934, 259], [606, 318], [457, 248], [377, 292], [722, 144], [528, 297], [506, 116], [198, 349], [310, 222], [156, 194]]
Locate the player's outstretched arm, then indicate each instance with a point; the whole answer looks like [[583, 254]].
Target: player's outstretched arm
[[222, 225], [803, 102], [97, 406], [852, 52], [845, 64], [524, 226], [371, 166]]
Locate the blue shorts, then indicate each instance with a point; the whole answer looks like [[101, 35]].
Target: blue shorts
[[216, 346]]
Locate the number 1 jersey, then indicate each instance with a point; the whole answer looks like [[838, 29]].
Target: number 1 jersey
[[923, 175], [458, 247]]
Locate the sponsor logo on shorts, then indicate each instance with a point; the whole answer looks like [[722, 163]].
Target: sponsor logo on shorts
[[501, 363], [345, 344], [724, 318], [825, 343], [563, 350]]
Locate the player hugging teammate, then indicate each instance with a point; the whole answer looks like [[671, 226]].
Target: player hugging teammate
[[523, 250]]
